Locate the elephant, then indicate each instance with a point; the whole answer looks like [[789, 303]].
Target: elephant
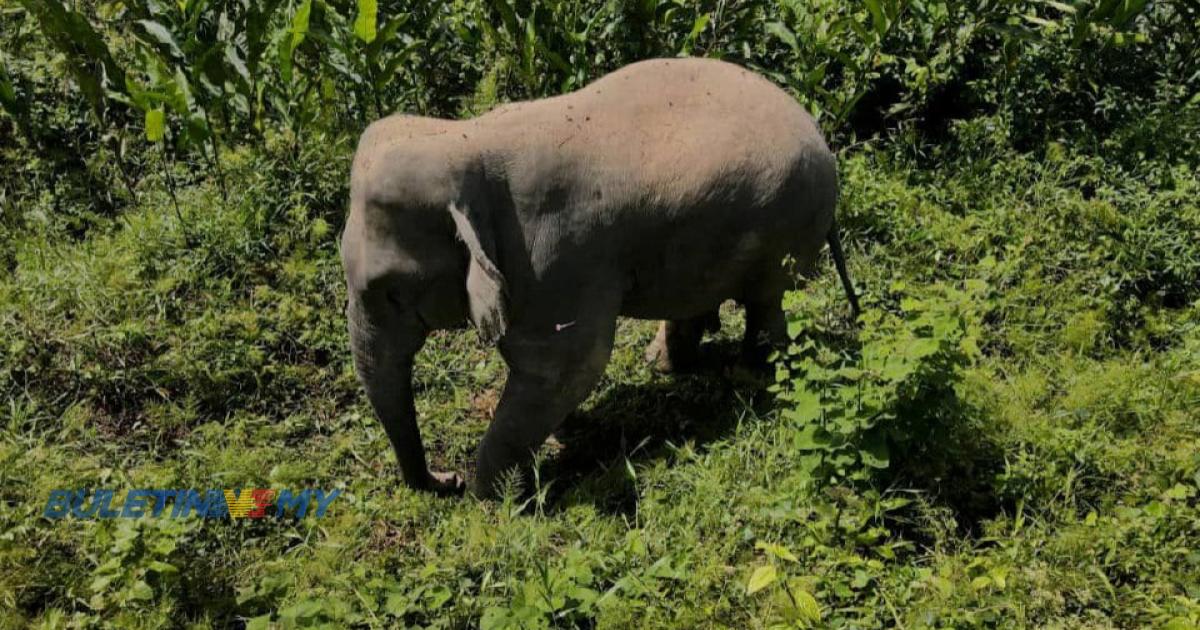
[[658, 191]]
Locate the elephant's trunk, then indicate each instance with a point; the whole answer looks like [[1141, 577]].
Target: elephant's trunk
[[384, 346]]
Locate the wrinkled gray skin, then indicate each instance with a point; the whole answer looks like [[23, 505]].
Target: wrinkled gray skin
[[658, 191]]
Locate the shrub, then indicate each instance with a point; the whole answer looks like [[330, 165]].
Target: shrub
[[889, 392]]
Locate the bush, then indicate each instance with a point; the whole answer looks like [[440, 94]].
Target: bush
[[889, 394]]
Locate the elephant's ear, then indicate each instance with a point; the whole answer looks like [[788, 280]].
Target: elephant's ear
[[486, 290]]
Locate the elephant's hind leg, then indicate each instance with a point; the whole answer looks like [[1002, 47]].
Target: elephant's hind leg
[[766, 330], [766, 325], [676, 347]]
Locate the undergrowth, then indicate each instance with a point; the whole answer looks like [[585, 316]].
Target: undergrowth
[[1009, 436], [1006, 437]]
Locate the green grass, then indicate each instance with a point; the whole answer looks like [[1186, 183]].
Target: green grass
[[1010, 437], [1058, 489]]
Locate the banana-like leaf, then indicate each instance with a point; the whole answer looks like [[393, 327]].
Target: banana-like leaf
[[183, 101], [293, 38], [878, 19], [364, 23], [300, 23], [235, 61], [783, 34], [161, 35]]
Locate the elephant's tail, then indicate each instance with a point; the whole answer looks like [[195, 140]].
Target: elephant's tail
[[839, 260]]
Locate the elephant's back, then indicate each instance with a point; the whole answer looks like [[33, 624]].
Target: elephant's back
[[697, 127], [690, 174], [672, 134]]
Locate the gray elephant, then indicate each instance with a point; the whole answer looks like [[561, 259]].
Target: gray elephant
[[656, 192]]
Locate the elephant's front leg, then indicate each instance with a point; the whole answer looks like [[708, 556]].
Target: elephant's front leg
[[552, 368]]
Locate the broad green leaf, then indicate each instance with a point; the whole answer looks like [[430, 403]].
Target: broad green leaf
[[163, 568], [807, 605], [1180, 623], [922, 348], [386, 34], [806, 407], [944, 587], [364, 23], [762, 577], [101, 583], [397, 604], [795, 327], [182, 101], [812, 438], [262, 622], [141, 590], [303, 609], [508, 15], [779, 551], [258, 18], [999, 576], [155, 125]]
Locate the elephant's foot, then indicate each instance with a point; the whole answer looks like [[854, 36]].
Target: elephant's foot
[[658, 355], [446, 484], [676, 346]]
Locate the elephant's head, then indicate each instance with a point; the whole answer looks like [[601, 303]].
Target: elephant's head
[[420, 253], [421, 229]]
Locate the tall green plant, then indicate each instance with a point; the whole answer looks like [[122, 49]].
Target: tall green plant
[[87, 55]]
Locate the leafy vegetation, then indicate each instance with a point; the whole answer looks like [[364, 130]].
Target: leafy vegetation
[[1008, 436]]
